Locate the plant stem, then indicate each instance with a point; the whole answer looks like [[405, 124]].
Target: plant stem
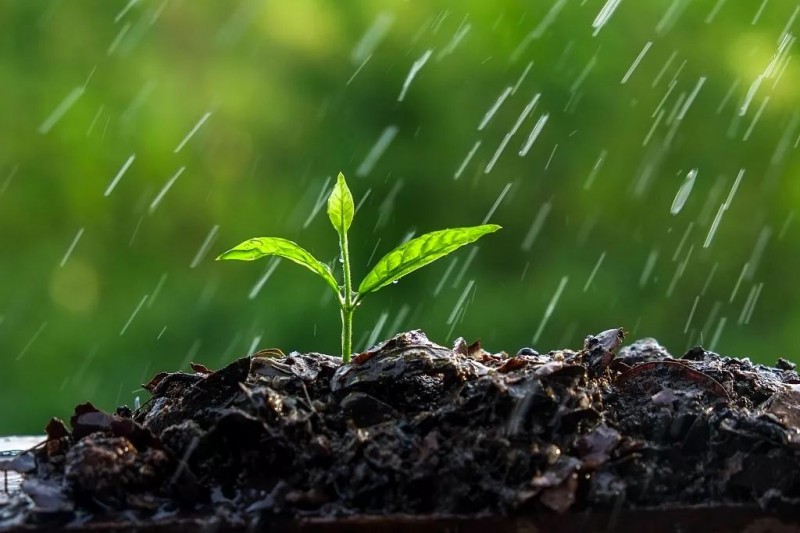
[[347, 334], [346, 301]]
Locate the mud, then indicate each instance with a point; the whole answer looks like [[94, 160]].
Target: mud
[[415, 428]]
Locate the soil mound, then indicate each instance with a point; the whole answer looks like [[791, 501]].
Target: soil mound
[[414, 427]]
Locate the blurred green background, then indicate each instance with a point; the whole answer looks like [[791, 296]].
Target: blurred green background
[[138, 140]]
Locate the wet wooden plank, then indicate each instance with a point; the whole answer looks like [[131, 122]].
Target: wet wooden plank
[[11, 481]]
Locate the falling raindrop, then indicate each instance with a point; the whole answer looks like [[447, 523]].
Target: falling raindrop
[[536, 227], [138, 101], [94, 120], [165, 189], [717, 333], [549, 159], [376, 331], [753, 303], [539, 30], [648, 268], [361, 66], [467, 160], [750, 303], [636, 62], [739, 282], [201, 253], [594, 271], [445, 276], [712, 316], [758, 13], [192, 132], [253, 345], [118, 39], [683, 241], [679, 271], [709, 278], [683, 192], [664, 68], [157, 290], [785, 226], [191, 353], [691, 314], [415, 68], [710, 18], [133, 315], [537, 129], [758, 251], [124, 10], [61, 109], [497, 203], [8, 179], [492, 110], [522, 77], [604, 14], [71, 247], [398, 320], [119, 175], [583, 75], [372, 38], [457, 309], [756, 118], [31, 341], [671, 16], [550, 308], [271, 266], [728, 94], [525, 112], [595, 169], [465, 267], [691, 97], [458, 37], [722, 208], [377, 151], [322, 200]]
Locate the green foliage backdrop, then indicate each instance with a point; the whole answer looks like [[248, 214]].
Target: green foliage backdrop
[[105, 281]]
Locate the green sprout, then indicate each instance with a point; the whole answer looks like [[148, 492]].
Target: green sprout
[[403, 260]]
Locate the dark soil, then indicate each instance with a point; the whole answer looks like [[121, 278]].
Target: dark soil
[[411, 427]]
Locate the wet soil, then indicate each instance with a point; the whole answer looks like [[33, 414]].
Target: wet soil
[[414, 428]]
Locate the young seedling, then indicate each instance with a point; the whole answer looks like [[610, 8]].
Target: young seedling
[[403, 260]]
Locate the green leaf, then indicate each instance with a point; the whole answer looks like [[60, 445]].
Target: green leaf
[[259, 247], [418, 252], [340, 206]]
